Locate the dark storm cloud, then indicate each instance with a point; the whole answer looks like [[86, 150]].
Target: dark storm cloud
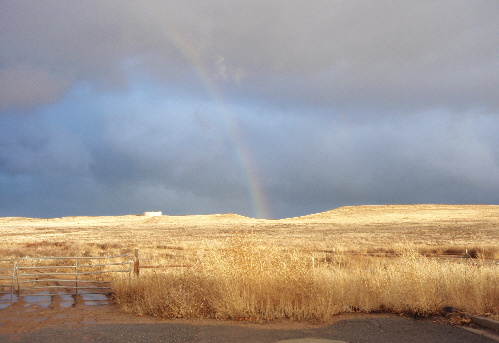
[[30, 146], [428, 157], [417, 54], [110, 107], [369, 54]]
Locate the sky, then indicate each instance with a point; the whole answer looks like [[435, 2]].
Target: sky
[[268, 109]]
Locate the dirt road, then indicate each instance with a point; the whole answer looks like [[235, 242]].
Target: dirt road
[[23, 322], [373, 330]]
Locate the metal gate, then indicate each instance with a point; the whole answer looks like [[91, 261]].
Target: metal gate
[[7, 280], [69, 275]]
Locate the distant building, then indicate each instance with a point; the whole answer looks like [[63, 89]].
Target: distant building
[[153, 213]]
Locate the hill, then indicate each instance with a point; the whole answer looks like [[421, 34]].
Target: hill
[[406, 213]]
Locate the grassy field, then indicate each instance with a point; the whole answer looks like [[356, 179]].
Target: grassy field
[[362, 258]]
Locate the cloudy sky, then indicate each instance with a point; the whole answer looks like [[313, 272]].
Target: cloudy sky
[[268, 109]]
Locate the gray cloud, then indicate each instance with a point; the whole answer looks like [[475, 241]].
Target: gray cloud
[[303, 165], [37, 148], [192, 105], [424, 158], [366, 54], [27, 86]]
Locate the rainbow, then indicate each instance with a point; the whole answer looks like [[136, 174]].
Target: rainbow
[[248, 169]]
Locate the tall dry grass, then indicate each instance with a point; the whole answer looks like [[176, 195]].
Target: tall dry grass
[[247, 279]]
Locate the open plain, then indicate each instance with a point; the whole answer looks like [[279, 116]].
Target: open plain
[[402, 259], [355, 228]]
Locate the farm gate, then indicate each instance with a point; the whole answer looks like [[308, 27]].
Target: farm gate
[[62, 275], [7, 279]]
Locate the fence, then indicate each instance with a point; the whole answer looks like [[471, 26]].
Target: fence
[[69, 275], [7, 273], [73, 275]]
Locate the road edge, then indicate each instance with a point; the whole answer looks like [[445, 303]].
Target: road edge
[[483, 321]]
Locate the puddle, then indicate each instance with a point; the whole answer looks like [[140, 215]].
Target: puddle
[[67, 300], [94, 299], [44, 299], [7, 300], [38, 299]]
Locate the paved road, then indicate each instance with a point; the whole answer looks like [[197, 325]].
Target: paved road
[[360, 330]]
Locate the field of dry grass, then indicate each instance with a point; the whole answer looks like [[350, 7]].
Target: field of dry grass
[[361, 258]]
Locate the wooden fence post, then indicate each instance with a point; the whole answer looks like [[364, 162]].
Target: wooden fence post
[[136, 263], [76, 274], [16, 277]]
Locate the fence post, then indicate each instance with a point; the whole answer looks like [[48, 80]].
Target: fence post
[[13, 281], [76, 274], [15, 274], [136, 263]]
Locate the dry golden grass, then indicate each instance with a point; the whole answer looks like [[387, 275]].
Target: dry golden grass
[[250, 280], [364, 258]]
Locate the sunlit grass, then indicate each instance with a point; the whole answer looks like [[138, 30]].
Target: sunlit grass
[[248, 280]]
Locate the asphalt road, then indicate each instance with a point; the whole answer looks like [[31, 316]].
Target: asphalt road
[[359, 330]]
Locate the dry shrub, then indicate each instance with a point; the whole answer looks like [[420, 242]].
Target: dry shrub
[[415, 284], [164, 295], [247, 279], [254, 281]]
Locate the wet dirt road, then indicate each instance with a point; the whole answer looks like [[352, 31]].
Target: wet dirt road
[[357, 330], [52, 320]]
